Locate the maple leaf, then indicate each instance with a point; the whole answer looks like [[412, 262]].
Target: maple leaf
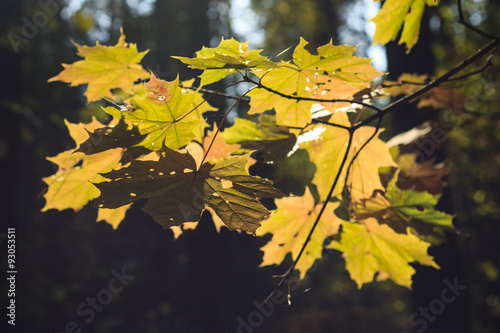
[[328, 151], [70, 186], [110, 137], [165, 115], [393, 14], [406, 84], [178, 191], [407, 208], [425, 176], [371, 248], [105, 68], [364, 175], [291, 224], [112, 216], [334, 73], [294, 173], [417, 204], [178, 230], [274, 141], [216, 147], [228, 58]]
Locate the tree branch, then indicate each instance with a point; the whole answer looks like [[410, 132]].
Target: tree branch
[[443, 78]]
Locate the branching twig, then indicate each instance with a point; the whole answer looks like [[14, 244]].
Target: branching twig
[[311, 99], [443, 78], [289, 272], [448, 76], [461, 20]]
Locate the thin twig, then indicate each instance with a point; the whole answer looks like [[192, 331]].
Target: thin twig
[[461, 19], [330, 124], [289, 272], [218, 92], [219, 127], [377, 127], [443, 78], [311, 99]]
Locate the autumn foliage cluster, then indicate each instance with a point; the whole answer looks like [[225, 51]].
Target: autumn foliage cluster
[[317, 114]]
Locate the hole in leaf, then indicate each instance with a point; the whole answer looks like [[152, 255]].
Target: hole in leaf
[[226, 183]]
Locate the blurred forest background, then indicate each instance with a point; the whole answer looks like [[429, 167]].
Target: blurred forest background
[[205, 280]]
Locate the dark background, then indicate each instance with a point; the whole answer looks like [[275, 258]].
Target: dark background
[[205, 280]]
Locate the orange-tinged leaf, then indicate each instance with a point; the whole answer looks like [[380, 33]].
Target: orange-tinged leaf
[[334, 73], [291, 224], [219, 148], [105, 68]]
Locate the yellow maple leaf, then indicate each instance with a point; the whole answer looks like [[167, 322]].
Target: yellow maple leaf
[[400, 13], [334, 73], [328, 151], [291, 224], [371, 248], [105, 68], [70, 186], [112, 216]]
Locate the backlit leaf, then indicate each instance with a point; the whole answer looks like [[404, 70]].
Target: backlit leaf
[[328, 151], [105, 68], [165, 115], [274, 141], [70, 186], [395, 14], [112, 216], [227, 58], [291, 224], [334, 73], [371, 248]]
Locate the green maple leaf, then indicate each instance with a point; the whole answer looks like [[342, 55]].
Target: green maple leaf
[[394, 14], [70, 186], [405, 205], [178, 191], [291, 224], [334, 73], [227, 58], [274, 141], [164, 114], [105, 68], [371, 248]]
